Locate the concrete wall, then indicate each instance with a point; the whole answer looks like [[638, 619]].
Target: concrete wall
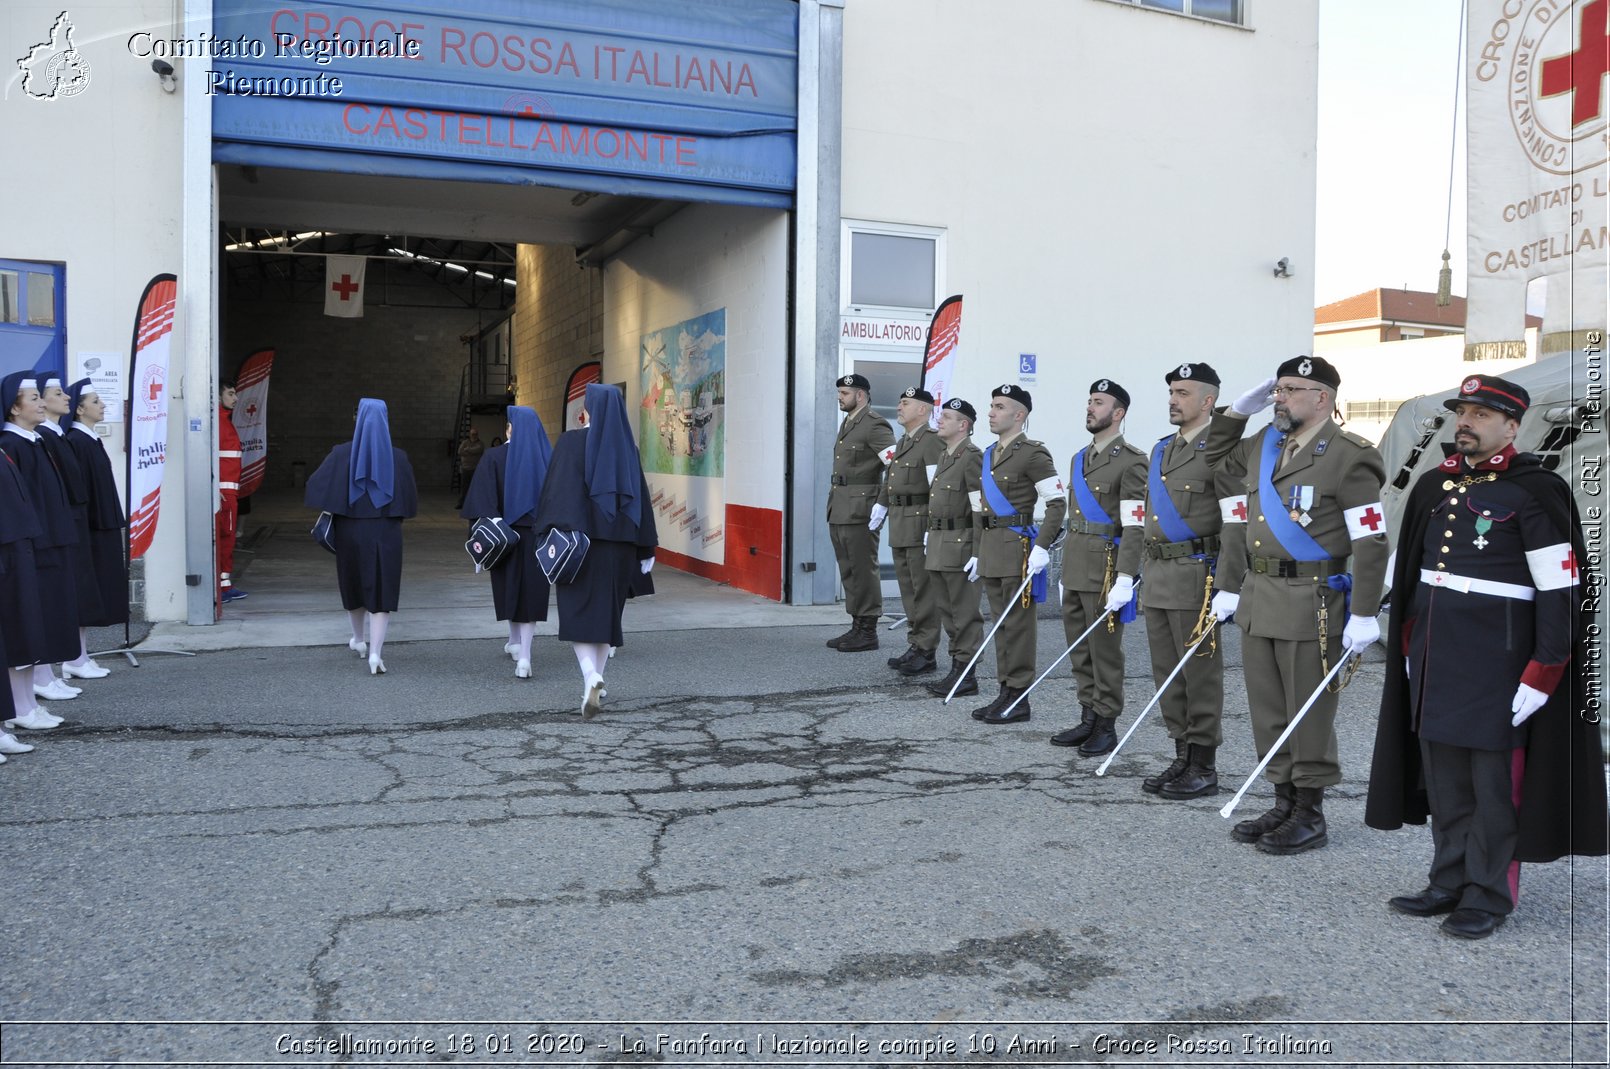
[[1115, 183], [704, 258], [558, 324]]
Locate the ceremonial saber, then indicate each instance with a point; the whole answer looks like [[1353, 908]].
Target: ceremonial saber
[[1011, 603], [1229, 806], [1102, 771], [1105, 613]]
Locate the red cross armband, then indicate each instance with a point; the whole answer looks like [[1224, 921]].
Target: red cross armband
[[1132, 513], [1233, 509], [1050, 490], [1365, 521], [1553, 567]]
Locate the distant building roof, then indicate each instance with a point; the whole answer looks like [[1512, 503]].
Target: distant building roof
[[1403, 306]]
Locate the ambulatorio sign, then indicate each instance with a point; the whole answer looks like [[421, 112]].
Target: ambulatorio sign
[[706, 95]]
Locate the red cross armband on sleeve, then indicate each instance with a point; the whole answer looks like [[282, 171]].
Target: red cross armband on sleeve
[[1365, 521], [1553, 567], [1132, 513], [1233, 509]]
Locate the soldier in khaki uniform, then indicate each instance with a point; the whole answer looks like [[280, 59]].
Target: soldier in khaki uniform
[[1106, 500], [954, 501], [904, 501], [1023, 474], [1185, 533], [865, 446], [1313, 498]]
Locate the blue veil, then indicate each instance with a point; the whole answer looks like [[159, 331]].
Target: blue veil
[[372, 469], [529, 453], [614, 472]]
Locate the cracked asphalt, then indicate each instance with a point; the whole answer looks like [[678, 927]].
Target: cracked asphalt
[[270, 843]]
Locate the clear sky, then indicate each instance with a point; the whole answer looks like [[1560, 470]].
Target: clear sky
[[1387, 71]]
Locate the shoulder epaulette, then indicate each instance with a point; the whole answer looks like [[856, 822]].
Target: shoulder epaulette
[[1358, 439]]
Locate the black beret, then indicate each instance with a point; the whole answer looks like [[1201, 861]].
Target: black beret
[[1111, 389], [856, 382], [1014, 393], [956, 404], [1194, 372], [1498, 394], [1314, 368], [917, 393]]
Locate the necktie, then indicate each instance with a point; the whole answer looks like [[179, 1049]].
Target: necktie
[[1290, 451]]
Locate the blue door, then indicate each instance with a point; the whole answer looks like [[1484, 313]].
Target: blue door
[[33, 316]]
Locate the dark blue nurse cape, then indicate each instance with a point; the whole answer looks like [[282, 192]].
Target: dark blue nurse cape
[[519, 589], [368, 539]]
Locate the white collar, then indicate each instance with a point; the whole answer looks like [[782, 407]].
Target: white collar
[[53, 425], [32, 436], [81, 429]]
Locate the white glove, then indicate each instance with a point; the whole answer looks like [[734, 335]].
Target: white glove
[[647, 564], [1254, 400], [971, 568], [1360, 633], [1528, 700], [1224, 605], [925, 540], [1123, 588], [878, 514], [1039, 560]]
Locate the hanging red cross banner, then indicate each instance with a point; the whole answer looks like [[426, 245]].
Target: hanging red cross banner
[[343, 286], [251, 418]]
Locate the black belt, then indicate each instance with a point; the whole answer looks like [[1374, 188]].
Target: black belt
[[843, 480], [1170, 550], [908, 499], [1016, 519], [955, 523], [1106, 530], [1298, 569]]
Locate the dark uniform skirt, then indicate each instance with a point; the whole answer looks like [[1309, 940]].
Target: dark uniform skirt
[[368, 562], [82, 565], [20, 619], [519, 589], [590, 608], [111, 579], [58, 615]]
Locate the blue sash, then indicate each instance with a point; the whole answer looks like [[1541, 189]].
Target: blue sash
[[1092, 508], [1287, 531], [1002, 507], [1175, 529]]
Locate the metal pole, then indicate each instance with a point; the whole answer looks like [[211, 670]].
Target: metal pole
[[1011, 603], [1102, 771], [1229, 806]]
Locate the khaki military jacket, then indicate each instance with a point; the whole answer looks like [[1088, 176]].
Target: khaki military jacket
[[905, 488], [1116, 475], [1019, 468], [952, 525], [1343, 472], [858, 463], [1195, 489]]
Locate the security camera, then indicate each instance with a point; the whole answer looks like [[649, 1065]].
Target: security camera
[[164, 71], [1283, 267]]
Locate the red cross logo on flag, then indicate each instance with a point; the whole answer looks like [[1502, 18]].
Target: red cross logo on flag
[[1581, 73]]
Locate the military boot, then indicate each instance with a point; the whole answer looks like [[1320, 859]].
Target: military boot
[[1001, 701], [1198, 778], [1075, 735], [1151, 784], [920, 663], [1303, 830], [968, 685], [1249, 831], [900, 659], [838, 640], [1103, 737], [1019, 711], [863, 636]]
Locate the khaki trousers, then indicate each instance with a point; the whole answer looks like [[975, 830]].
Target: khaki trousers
[[919, 594], [1194, 703], [1098, 662], [1280, 675], [856, 549]]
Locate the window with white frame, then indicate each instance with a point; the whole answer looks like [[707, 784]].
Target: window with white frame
[[892, 267], [1232, 12]]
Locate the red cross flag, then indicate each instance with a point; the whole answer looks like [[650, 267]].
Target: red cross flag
[[1366, 520], [343, 286]]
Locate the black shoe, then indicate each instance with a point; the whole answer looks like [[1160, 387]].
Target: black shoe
[[1198, 779], [1019, 711], [1250, 831], [862, 637], [1075, 735], [1152, 784], [897, 661], [1000, 702], [1470, 923], [941, 687], [1103, 737], [921, 663], [834, 642], [1303, 830], [1432, 902]]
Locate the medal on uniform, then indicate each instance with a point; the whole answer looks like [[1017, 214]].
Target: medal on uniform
[[1302, 499], [1483, 525], [1447, 484]]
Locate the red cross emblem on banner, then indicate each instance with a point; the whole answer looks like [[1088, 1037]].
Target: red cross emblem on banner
[[1139, 513], [346, 287], [1581, 73], [251, 409], [1240, 511], [1371, 519], [1569, 563]]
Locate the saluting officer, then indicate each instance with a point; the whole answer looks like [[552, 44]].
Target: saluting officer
[[1015, 474], [1313, 498], [1482, 720], [1106, 499], [904, 501], [865, 446], [1185, 538], [953, 500]]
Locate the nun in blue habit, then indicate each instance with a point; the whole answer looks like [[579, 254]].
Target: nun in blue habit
[[595, 485], [507, 483], [367, 484]]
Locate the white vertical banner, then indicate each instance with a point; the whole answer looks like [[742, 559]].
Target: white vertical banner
[[251, 418], [148, 409], [939, 355], [343, 286], [1537, 105]]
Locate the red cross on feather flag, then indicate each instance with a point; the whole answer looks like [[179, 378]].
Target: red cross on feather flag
[[343, 286]]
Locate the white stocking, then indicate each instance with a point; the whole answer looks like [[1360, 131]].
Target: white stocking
[[590, 656], [378, 622], [356, 617], [22, 690], [83, 651], [521, 635], [44, 676]]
